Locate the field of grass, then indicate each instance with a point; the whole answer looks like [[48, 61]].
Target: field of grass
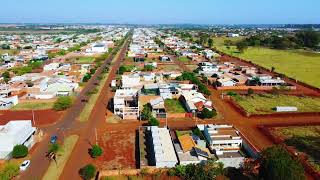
[[264, 103], [183, 59], [54, 171], [33, 105], [174, 106], [85, 60], [305, 139], [9, 51], [298, 64]]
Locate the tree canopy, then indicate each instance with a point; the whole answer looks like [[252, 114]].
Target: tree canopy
[[278, 164]]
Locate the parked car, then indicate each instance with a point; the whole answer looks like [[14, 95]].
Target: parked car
[[53, 139], [25, 164]]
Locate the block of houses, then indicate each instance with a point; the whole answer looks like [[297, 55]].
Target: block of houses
[[15, 133]]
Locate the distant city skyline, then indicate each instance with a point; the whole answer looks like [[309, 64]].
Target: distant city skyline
[[162, 12]]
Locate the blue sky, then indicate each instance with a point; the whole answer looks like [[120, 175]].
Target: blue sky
[[161, 11]]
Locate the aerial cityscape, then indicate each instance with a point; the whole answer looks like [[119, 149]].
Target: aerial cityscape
[[183, 90]]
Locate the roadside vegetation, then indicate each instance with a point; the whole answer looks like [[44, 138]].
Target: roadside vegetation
[[265, 103], [55, 168], [305, 139], [62, 103]]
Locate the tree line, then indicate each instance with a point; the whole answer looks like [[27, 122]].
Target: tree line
[[302, 39]]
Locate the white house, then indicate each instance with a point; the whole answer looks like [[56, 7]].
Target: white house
[[8, 102], [226, 142], [14, 133], [51, 66]]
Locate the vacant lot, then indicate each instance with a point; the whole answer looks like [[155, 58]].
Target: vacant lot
[[298, 64], [305, 139], [82, 60], [33, 106], [264, 103], [174, 106], [119, 150]]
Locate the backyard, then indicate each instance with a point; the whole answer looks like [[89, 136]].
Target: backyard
[[174, 106], [265, 103], [82, 60], [305, 139]]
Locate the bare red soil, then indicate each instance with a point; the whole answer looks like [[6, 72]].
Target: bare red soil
[[41, 117]]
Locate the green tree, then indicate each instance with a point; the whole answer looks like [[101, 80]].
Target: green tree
[[86, 77], [146, 113], [278, 164], [88, 172], [6, 76], [54, 148], [62, 103], [154, 121], [242, 46], [207, 114], [210, 42], [19, 151], [95, 151]]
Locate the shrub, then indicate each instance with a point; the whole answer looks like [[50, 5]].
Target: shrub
[[19, 151], [62, 103], [54, 148], [148, 68], [96, 151], [9, 171], [250, 91], [207, 114], [87, 172], [154, 122]]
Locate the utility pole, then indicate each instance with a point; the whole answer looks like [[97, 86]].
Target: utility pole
[[34, 123], [96, 134]]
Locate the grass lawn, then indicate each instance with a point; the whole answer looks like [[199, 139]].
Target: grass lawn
[[174, 106], [298, 64], [264, 103], [9, 51], [305, 139], [33, 105], [181, 133], [183, 59], [54, 171], [85, 60]]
